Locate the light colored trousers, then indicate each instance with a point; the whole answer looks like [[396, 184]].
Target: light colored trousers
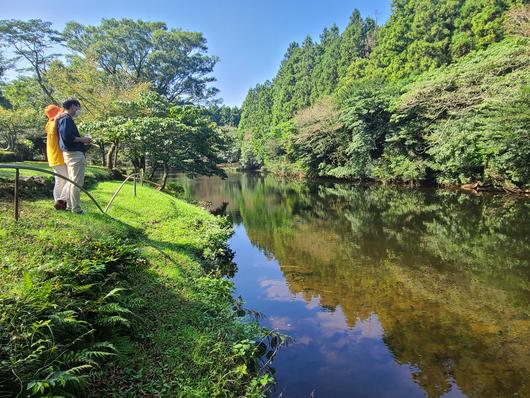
[[76, 164], [60, 188]]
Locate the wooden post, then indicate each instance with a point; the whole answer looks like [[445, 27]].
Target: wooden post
[[134, 187], [17, 174]]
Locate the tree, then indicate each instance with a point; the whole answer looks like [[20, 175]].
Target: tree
[[173, 61], [3, 65], [31, 41], [155, 131], [254, 127], [466, 122], [518, 20], [181, 139], [479, 24], [365, 115], [231, 148], [22, 118], [413, 105], [430, 35], [225, 115], [284, 99], [19, 132], [304, 73], [325, 74], [319, 135], [351, 42]]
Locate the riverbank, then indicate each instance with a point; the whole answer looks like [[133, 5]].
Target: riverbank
[[293, 172], [128, 305]]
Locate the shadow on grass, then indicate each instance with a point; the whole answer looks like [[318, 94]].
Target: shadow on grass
[[164, 340]]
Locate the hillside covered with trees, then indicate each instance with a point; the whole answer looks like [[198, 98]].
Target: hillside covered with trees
[[439, 94]]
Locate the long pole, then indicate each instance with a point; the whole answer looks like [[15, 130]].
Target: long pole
[[17, 174]]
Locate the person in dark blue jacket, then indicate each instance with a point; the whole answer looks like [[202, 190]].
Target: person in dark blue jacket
[[74, 148]]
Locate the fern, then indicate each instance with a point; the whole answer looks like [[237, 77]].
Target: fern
[[113, 320], [55, 330], [113, 308], [113, 292]]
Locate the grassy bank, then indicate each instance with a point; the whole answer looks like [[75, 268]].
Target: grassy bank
[[132, 305]]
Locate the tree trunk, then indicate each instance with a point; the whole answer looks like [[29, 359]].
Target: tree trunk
[[164, 177], [136, 164], [110, 156], [102, 153], [153, 171], [116, 154]]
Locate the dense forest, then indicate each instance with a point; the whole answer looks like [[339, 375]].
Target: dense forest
[[439, 94]]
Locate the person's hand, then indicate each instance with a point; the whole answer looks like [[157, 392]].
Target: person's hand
[[86, 140]]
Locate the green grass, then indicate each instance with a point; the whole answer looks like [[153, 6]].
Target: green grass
[[173, 331]]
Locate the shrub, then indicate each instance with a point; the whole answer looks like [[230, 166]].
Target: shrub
[[8, 156]]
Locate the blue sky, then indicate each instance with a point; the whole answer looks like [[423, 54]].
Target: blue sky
[[250, 37]]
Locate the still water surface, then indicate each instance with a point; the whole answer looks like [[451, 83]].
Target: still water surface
[[387, 292]]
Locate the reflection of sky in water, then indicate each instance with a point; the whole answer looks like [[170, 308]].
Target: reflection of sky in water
[[327, 357]]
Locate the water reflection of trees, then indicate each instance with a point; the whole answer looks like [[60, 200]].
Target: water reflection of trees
[[447, 273]]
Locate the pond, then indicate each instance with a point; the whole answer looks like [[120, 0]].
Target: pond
[[386, 291]]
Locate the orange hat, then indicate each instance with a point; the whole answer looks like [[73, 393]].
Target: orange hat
[[51, 111]]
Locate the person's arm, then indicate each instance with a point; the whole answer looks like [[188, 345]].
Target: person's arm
[[68, 132], [84, 140]]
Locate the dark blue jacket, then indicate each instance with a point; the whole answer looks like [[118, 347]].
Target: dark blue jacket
[[67, 133]]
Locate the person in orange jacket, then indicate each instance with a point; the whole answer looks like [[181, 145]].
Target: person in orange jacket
[[55, 156]]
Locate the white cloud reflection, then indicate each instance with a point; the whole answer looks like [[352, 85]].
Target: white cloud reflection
[[280, 322], [277, 289]]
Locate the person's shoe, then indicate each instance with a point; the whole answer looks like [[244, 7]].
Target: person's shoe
[[60, 205], [81, 212]]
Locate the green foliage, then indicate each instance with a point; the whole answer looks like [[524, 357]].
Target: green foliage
[[256, 118], [325, 73], [428, 97], [365, 115], [7, 156], [357, 41], [319, 137], [224, 115], [230, 152], [3, 68], [172, 60], [468, 120], [422, 35], [479, 24], [21, 123], [517, 20], [308, 72], [104, 76], [507, 146], [151, 130], [65, 311]]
